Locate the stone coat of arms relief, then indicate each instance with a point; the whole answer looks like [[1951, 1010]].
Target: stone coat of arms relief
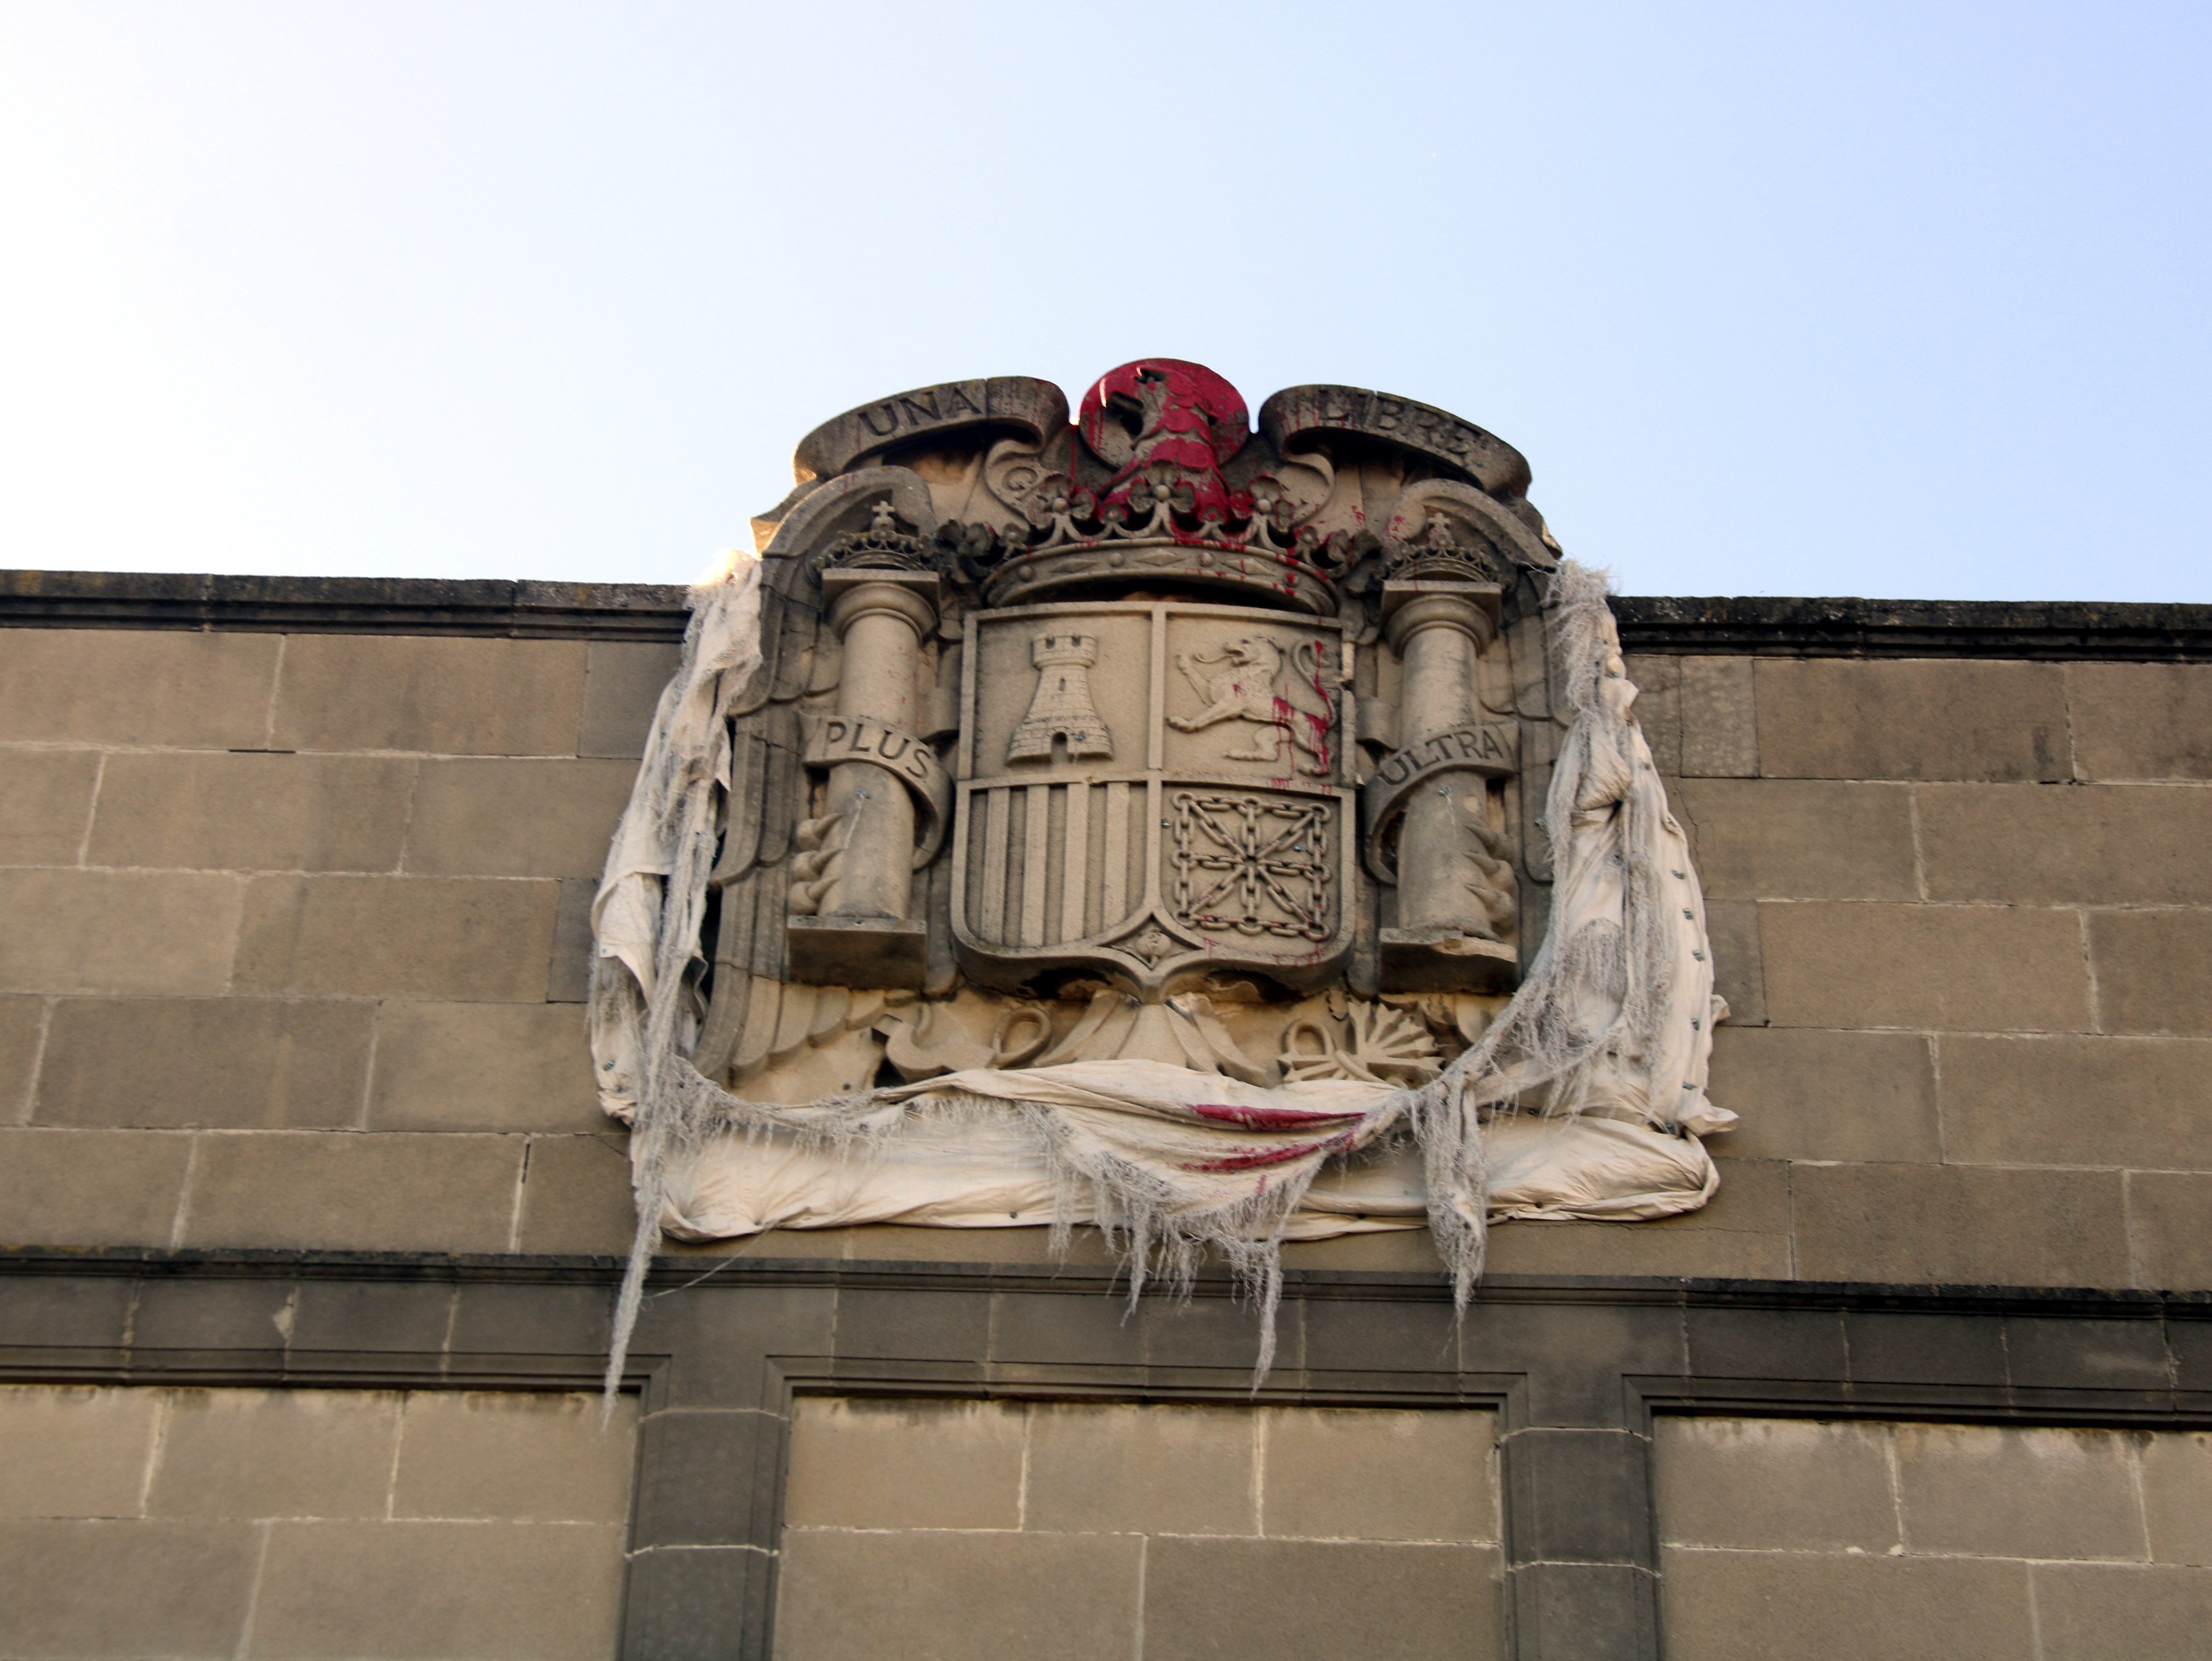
[[1179, 787], [1200, 846]]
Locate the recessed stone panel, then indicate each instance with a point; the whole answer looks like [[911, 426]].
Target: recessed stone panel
[[1865, 1539], [2067, 844], [132, 932], [952, 1527], [2177, 1483], [488, 1456], [1758, 1605], [482, 1067], [1205, 1598], [190, 1588], [1800, 839], [201, 811], [904, 1465], [448, 696], [1142, 1470], [45, 804], [186, 1062], [1952, 968], [941, 1595], [128, 686], [1370, 1474], [76, 1450], [2090, 1613], [341, 1591], [1774, 1484], [457, 939], [2141, 721], [1972, 1490], [1835, 718], [268, 1453], [223, 1522]]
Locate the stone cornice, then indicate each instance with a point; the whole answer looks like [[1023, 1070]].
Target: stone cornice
[[1849, 628], [1212, 1280], [342, 605], [1760, 627]]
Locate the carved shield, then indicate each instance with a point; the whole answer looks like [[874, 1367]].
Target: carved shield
[[1150, 789]]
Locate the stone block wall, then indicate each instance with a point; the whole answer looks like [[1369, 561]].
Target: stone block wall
[[1963, 913], [297, 936], [370, 1524], [294, 956], [991, 1530], [1860, 1540]]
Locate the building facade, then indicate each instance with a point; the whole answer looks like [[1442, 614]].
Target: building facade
[[314, 1223]]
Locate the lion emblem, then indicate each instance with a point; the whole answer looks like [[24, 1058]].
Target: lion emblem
[[1284, 692]]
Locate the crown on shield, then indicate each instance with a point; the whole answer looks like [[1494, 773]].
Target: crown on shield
[[1169, 509]]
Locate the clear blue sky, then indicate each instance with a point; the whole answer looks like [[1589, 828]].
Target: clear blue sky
[[1900, 299]]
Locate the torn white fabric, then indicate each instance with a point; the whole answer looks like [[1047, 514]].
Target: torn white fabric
[[944, 1172], [1586, 1088]]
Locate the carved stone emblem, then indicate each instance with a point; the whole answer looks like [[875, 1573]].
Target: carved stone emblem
[[1179, 780], [1061, 709], [1283, 691], [1253, 863], [1194, 850]]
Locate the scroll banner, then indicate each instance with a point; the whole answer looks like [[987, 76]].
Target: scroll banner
[[837, 740], [1491, 750]]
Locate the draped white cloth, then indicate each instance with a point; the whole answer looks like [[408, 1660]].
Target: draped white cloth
[[1583, 1099], [996, 1169]]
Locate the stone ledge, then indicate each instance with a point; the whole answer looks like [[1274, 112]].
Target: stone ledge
[[2066, 630], [342, 605], [1389, 1285], [1579, 1370], [1725, 627]]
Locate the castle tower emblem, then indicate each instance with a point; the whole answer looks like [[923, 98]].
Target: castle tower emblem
[[1061, 707]]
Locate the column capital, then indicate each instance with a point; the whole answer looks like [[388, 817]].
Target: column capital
[[910, 596], [1410, 607]]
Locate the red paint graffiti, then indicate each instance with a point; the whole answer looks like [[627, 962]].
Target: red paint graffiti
[[1167, 427], [1271, 1157], [1267, 1118]]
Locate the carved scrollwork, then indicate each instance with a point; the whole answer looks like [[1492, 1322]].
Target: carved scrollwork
[[836, 739], [1491, 751]]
